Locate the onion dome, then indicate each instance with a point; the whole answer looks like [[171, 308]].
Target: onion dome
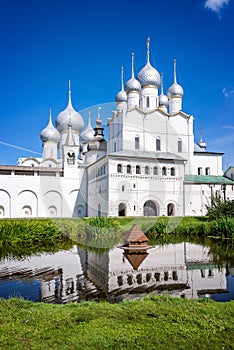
[[133, 83], [163, 99], [149, 75], [202, 144], [175, 89], [69, 114], [88, 134], [121, 95], [50, 133]]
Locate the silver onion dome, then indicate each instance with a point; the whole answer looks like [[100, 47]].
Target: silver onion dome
[[88, 134], [121, 96], [149, 76], [175, 90], [50, 133], [69, 115], [163, 100], [132, 84]]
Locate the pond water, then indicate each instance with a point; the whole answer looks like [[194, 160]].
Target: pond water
[[184, 270]]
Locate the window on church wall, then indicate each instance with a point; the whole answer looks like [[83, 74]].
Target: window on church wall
[[172, 171], [232, 176], [164, 171], [147, 170], [147, 102], [119, 168], [207, 171], [158, 144], [115, 147], [138, 169], [179, 145], [155, 170], [199, 171], [129, 169], [137, 142], [123, 188]]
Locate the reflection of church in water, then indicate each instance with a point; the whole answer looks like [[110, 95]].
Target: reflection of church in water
[[183, 270]]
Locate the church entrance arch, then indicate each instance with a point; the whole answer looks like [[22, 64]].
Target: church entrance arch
[[122, 209], [170, 209], [150, 209]]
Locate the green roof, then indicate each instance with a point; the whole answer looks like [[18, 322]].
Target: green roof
[[207, 179], [200, 266]]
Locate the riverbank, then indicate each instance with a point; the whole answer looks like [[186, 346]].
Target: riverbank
[[152, 323], [20, 237]]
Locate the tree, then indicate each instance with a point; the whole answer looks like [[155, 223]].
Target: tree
[[220, 208]]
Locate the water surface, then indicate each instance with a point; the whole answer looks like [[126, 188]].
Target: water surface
[[183, 270]]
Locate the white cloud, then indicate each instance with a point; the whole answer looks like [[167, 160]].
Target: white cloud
[[229, 127], [227, 92], [215, 5]]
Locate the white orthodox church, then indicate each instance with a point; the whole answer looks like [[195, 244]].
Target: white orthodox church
[[149, 165]]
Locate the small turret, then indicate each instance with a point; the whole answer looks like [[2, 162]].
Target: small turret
[[163, 99], [50, 138], [121, 97]]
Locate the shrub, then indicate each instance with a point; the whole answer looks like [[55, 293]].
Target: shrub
[[219, 208]]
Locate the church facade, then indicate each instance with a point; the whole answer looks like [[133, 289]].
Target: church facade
[[149, 165]]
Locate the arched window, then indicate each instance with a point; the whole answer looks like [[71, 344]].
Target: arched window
[[119, 168], [179, 145], [199, 171], [129, 169], [137, 142], [26, 211], [207, 171], [52, 210], [164, 171], [138, 169], [158, 144], [114, 146], [172, 171], [146, 170], [123, 188], [155, 170]]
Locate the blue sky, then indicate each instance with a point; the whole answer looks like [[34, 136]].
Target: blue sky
[[44, 43]]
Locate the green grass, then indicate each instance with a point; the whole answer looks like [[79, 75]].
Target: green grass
[[21, 237], [153, 323]]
